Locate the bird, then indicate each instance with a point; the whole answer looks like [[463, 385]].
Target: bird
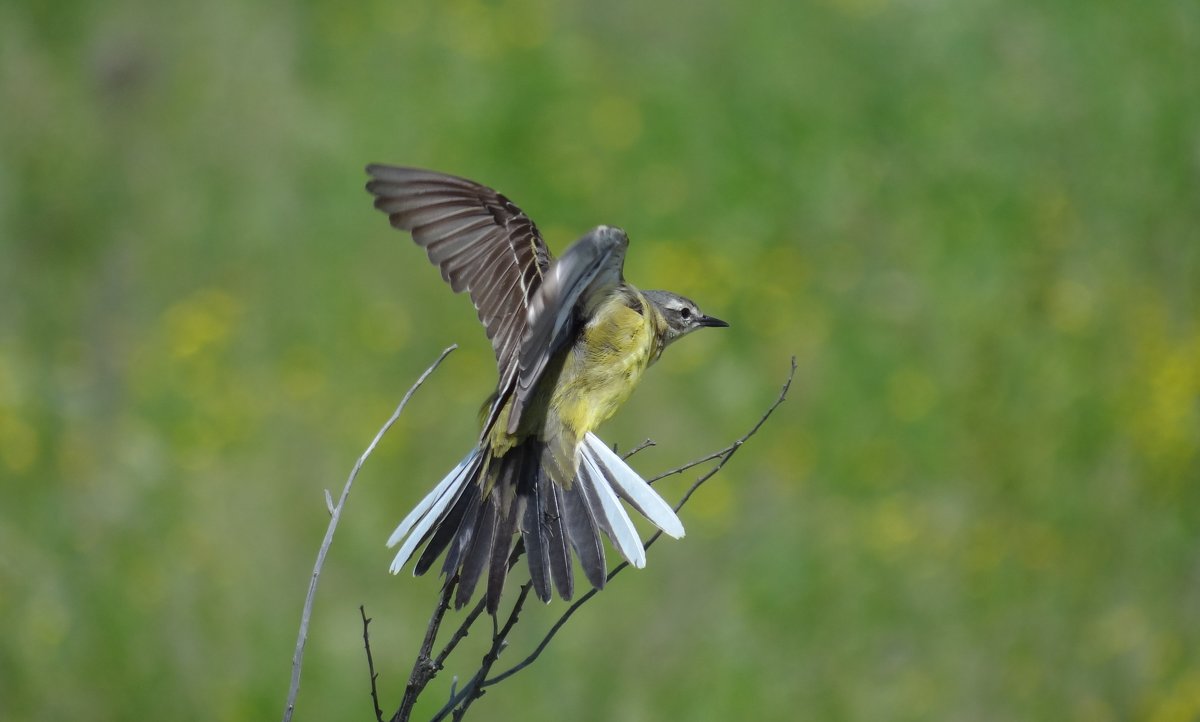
[[572, 339]]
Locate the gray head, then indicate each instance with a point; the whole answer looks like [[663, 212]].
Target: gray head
[[682, 315]]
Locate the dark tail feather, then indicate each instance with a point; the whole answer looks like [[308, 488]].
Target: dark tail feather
[[476, 532], [585, 538], [474, 528], [509, 504], [458, 523], [536, 551], [421, 523], [501, 548], [480, 550], [551, 496], [534, 528]]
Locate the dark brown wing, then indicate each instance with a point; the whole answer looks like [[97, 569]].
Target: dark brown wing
[[481, 242]]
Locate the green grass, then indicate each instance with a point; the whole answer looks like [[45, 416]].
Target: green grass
[[974, 225]]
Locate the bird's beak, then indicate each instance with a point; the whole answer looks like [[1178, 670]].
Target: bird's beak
[[713, 322]]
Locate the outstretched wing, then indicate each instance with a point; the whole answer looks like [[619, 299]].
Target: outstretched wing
[[570, 291], [481, 242]]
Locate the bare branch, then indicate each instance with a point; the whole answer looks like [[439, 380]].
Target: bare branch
[[335, 515], [425, 668], [473, 689], [644, 445], [732, 449], [461, 632], [370, 663], [553, 631]]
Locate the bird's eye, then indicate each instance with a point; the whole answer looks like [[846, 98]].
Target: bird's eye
[[685, 313]]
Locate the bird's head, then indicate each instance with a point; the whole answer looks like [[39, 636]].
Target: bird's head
[[681, 314]]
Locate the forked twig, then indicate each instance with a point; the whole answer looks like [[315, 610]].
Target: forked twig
[[425, 668], [473, 690]]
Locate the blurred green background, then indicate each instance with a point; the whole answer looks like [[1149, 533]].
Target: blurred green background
[[974, 224]]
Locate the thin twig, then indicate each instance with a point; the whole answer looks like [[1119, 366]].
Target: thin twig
[[553, 631], [370, 663], [425, 668], [469, 621], [461, 632], [733, 448], [644, 445], [473, 689], [690, 465], [724, 455], [335, 515]]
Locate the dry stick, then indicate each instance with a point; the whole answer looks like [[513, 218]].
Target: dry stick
[[499, 641], [424, 668], [370, 663], [498, 637], [461, 632], [644, 445], [335, 514], [518, 550]]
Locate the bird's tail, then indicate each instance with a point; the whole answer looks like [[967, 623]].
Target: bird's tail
[[474, 512]]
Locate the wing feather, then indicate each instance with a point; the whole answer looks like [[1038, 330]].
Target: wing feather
[[485, 245], [587, 272], [481, 242], [445, 210]]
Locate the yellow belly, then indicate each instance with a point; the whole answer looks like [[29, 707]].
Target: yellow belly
[[597, 374], [585, 385], [604, 366]]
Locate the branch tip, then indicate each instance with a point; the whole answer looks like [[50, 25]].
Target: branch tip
[[334, 514]]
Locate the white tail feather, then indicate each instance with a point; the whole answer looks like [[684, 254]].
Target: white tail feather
[[429, 511], [632, 487], [625, 535]]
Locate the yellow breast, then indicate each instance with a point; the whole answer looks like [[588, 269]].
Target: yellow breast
[[606, 363]]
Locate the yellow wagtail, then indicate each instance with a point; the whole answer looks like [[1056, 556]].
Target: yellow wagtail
[[572, 339]]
